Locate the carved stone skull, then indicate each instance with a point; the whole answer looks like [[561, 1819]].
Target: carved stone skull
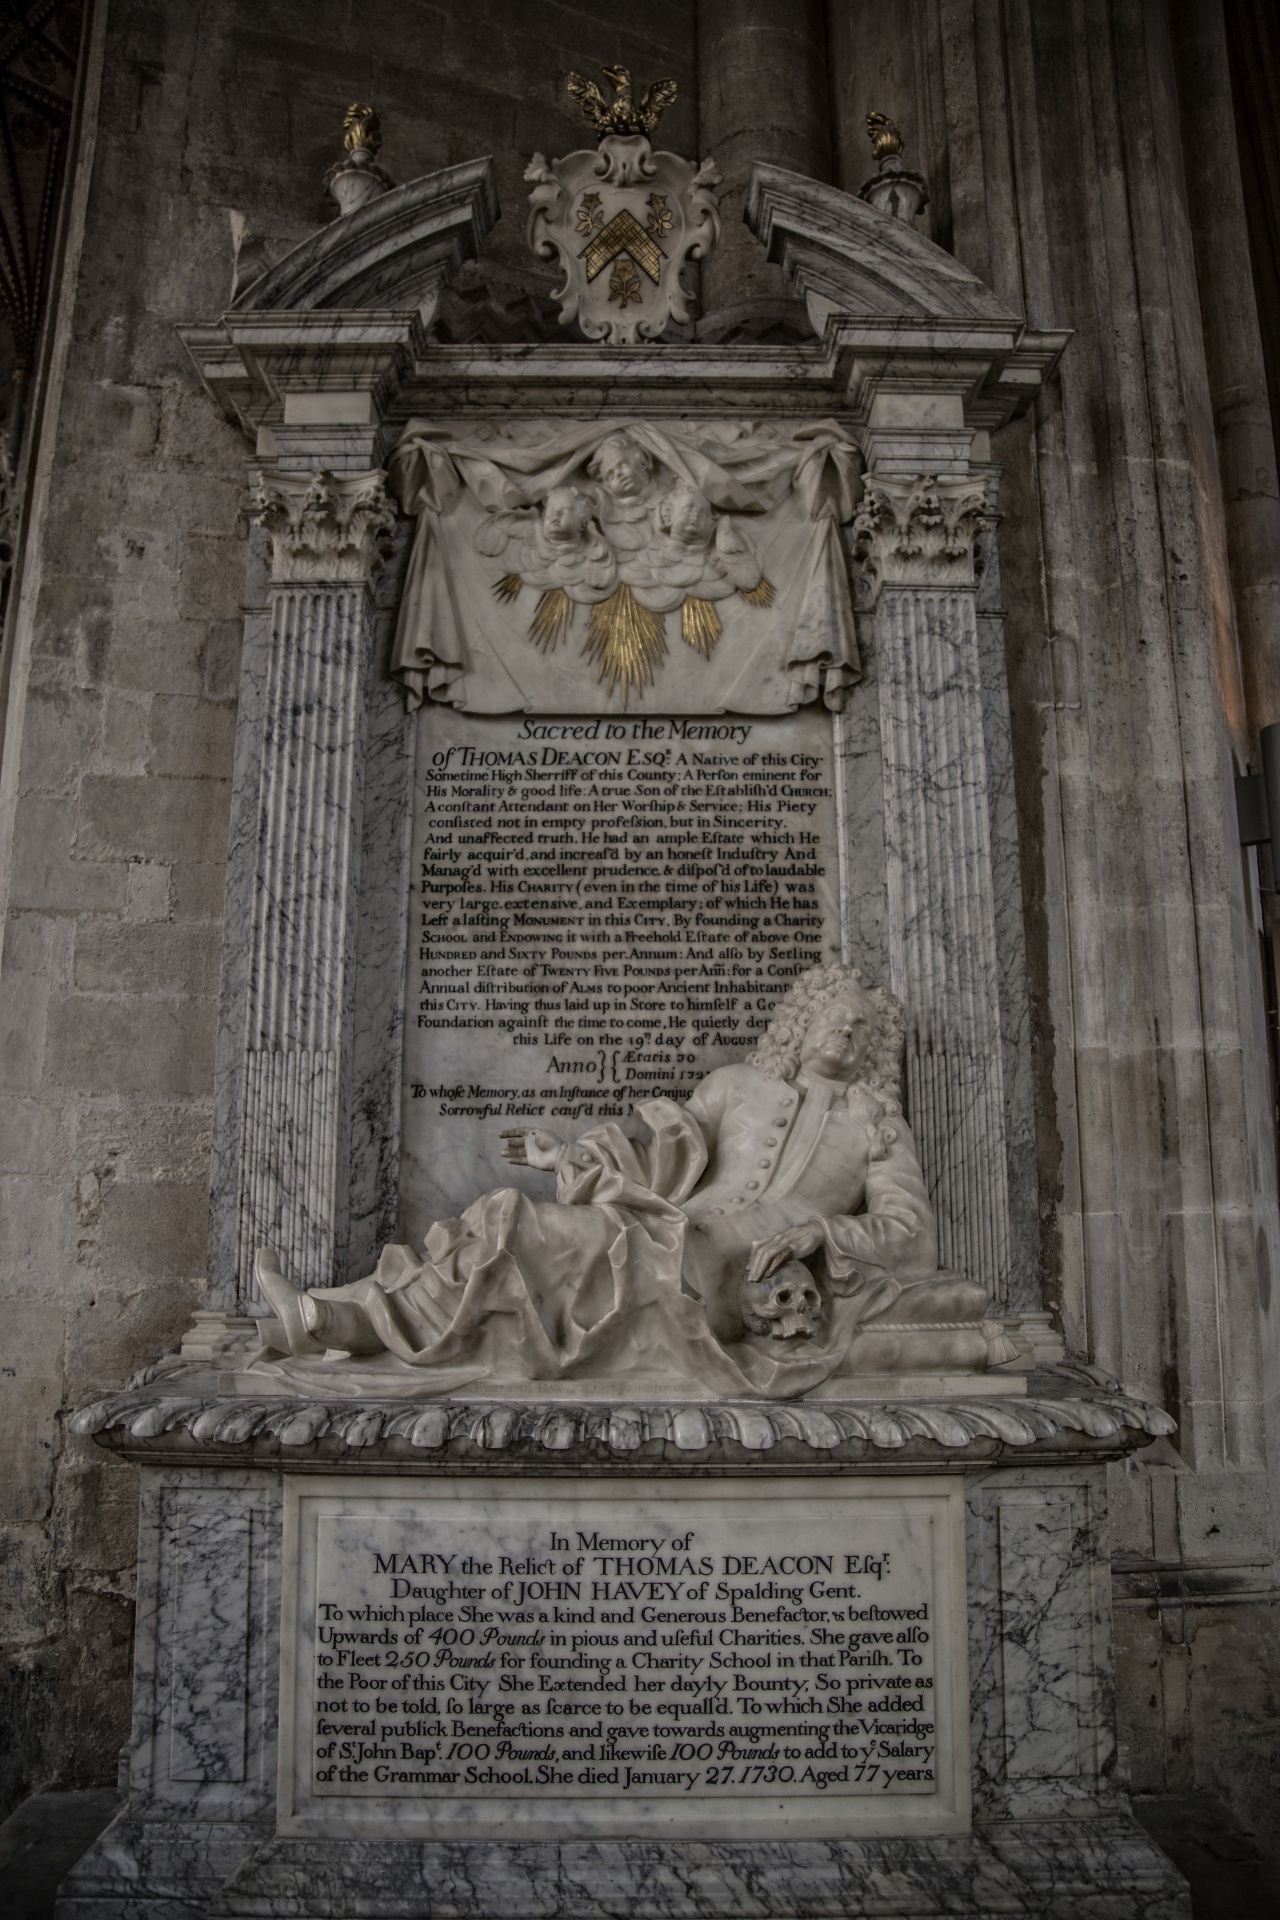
[[787, 1305]]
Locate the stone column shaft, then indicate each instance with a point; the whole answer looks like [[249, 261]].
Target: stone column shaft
[[291, 1188], [916, 539], [1242, 416], [762, 95]]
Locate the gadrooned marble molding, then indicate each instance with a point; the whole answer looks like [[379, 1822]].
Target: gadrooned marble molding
[[165, 1413]]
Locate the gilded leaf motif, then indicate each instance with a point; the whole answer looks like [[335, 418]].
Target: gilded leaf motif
[[661, 219], [590, 214], [624, 281]]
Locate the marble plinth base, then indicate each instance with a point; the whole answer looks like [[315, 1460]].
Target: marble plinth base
[[1047, 1870], [319, 1380], [1050, 1835]]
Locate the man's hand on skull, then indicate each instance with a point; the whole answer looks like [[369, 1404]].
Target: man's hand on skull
[[793, 1243], [529, 1147]]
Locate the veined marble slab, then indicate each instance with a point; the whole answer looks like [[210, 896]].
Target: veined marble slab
[[1051, 1829], [650, 1661]]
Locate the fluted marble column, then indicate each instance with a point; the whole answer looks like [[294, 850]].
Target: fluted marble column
[[916, 537], [327, 538]]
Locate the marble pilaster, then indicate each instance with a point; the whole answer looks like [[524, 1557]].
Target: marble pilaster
[[916, 535], [925, 401], [327, 535]]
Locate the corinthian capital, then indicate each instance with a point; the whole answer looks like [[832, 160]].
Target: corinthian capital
[[324, 526], [921, 533]]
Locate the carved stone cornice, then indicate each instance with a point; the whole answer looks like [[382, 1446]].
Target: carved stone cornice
[[323, 526], [921, 533]]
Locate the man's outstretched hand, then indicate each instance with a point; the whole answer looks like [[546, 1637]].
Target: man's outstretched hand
[[528, 1147]]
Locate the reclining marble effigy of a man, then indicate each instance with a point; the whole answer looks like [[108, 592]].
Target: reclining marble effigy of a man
[[772, 1234]]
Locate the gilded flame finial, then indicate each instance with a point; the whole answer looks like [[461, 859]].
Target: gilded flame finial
[[893, 188], [361, 130], [883, 135], [357, 178], [623, 114]]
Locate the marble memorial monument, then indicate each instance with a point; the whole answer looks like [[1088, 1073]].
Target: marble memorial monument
[[726, 1533]]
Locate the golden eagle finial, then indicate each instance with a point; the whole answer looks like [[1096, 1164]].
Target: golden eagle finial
[[624, 113], [883, 135]]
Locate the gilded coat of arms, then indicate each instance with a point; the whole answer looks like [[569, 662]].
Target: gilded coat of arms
[[622, 220]]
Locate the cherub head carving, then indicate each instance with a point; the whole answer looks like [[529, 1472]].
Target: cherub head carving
[[622, 466], [566, 516], [687, 518]]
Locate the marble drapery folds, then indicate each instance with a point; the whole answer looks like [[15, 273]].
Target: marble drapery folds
[[618, 524]]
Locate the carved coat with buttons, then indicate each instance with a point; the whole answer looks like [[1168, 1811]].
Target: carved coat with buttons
[[780, 1154]]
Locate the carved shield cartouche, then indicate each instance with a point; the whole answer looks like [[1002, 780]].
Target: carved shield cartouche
[[622, 220]]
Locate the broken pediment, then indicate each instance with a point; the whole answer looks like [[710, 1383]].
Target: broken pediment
[[393, 254], [845, 256]]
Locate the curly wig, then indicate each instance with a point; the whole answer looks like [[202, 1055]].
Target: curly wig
[[777, 1056]]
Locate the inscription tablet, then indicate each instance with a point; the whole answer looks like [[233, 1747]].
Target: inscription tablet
[[600, 912], [703, 1659]]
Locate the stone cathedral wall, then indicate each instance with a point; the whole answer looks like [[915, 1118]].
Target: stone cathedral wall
[[1138, 632], [216, 123]]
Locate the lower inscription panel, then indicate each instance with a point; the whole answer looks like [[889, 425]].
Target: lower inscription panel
[[708, 1659]]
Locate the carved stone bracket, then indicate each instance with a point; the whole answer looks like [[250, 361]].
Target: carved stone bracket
[[921, 533], [323, 527]]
